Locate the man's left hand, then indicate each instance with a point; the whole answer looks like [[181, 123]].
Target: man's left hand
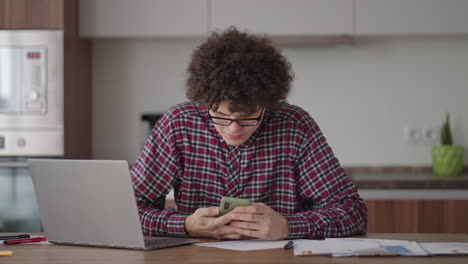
[[260, 221]]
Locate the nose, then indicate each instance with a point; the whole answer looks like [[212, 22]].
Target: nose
[[234, 127]]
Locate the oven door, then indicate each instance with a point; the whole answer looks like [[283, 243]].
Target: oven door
[[10, 80], [18, 206]]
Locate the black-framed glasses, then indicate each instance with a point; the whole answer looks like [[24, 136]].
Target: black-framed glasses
[[241, 122]]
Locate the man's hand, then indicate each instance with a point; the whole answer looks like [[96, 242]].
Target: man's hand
[[204, 223], [260, 221]]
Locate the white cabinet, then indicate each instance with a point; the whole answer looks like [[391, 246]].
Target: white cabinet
[[143, 18], [411, 17], [284, 17], [287, 18]]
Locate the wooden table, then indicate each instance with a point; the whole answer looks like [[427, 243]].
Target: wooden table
[[55, 254]]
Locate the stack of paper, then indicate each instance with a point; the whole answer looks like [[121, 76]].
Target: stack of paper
[[346, 247], [380, 247], [333, 246]]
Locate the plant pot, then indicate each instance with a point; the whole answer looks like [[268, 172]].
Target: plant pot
[[447, 160]]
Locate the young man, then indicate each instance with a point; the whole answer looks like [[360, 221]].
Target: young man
[[238, 137]]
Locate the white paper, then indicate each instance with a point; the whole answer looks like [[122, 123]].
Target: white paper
[[445, 248], [246, 245], [401, 247], [332, 245]]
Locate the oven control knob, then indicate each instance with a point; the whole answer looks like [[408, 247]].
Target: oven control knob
[[34, 95], [21, 142]]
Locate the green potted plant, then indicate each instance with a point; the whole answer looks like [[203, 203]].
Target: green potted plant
[[447, 159]]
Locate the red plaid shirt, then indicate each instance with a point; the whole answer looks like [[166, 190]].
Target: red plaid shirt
[[286, 164]]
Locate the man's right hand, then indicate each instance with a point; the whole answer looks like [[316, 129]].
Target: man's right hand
[[205, 223]]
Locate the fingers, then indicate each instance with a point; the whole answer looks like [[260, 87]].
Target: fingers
[[207, 212], [232, 236], [251, 233], [246, 225], [226, 232], [249, 217], [255, 208], [212, 212]]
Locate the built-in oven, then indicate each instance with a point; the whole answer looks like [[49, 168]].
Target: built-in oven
[[31, 118], [31, 93]]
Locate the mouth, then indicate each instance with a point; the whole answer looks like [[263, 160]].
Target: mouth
[[234, 137]]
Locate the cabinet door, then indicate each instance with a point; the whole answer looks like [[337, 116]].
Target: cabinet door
[[31, 14], [143, 18], [404, 17], [284, 18], [417, 216]]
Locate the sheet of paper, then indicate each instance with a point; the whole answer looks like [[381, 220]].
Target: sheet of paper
[[445, 248], [246, 245], [401, 247], [332, 245]]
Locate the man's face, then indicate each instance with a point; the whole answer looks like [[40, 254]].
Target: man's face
[[234, 134]]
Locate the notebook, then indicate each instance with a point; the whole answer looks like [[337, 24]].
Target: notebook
[[92, 203]]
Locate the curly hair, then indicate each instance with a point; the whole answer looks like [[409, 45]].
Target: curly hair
[[246, 70]]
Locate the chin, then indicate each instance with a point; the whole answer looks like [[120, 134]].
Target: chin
[[234, 142]]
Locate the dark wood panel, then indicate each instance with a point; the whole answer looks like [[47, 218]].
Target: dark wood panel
[[456, 216], [31, 14], [431, 216], [389, 216], [406, 216], [422, 216], [77, 87]]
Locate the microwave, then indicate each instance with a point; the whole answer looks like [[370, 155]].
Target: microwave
[[31, 93]]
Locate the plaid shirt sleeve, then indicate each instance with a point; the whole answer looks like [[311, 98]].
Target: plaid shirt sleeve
[[153, 175], [333, 207]]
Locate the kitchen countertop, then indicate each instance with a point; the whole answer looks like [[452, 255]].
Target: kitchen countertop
[[408, 181], [407, 184]]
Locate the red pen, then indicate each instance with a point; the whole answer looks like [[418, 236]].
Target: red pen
[[25, 240]]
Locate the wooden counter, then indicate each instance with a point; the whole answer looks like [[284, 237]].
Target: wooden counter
[[59, 254]]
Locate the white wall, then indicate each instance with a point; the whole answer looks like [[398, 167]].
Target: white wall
[[361, 96]]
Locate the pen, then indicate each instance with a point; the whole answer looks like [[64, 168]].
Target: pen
[[25, 240], [289, 245], [14, 237]]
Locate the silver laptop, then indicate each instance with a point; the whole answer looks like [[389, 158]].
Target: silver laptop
[[91, 202]]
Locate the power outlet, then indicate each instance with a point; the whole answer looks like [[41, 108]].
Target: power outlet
[[430, 135], [413, 135]]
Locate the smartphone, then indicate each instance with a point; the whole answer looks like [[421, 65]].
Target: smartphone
[[229, 203]]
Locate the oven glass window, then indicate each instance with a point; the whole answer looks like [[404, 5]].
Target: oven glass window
[[10, 80]]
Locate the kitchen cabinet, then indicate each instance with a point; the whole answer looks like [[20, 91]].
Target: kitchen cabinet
[[148, 18], [421, 216], [284, 18], [77, 63], [31, 14], [411, 17]]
